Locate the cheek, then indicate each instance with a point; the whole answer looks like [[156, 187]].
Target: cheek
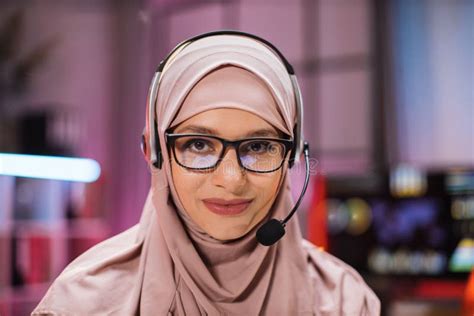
[[265, 186], [185, 182]]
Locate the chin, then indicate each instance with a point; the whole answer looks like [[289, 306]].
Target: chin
[[229, 233]]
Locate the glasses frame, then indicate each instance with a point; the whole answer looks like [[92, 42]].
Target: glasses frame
[[171, 139]]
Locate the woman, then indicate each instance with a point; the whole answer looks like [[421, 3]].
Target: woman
[[225, 115]]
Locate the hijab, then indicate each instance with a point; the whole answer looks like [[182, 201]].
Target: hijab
[[166, 264]]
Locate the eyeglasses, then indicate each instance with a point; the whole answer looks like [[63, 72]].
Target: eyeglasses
[[203, 152]]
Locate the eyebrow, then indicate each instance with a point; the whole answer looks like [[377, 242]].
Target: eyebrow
[[264, 132]]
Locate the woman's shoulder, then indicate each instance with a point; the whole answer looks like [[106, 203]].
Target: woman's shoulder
[[85, 285], [339, 287]]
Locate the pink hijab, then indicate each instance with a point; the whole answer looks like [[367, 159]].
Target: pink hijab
[[166, 265]]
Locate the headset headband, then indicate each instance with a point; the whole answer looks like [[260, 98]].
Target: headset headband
[[150, 141]]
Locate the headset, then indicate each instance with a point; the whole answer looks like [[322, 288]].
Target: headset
[[273, 230], [150, 142]]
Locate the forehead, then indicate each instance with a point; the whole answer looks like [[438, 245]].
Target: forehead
[[229, 86], [228, 122]]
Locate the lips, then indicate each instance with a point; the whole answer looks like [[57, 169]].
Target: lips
[[227, 207]]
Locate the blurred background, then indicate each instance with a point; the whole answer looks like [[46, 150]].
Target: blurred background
[[389, 114]]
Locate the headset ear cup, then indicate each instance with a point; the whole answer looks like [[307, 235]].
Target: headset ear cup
[[159, 161], [157, 148], [291, 160], [145, 148], [143, 145]]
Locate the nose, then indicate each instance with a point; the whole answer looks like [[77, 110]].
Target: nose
[[229, 174]]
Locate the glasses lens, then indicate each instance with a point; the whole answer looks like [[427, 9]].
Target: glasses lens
[[197, 151], [261, 155]]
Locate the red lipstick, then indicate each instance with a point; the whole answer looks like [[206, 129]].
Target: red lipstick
[[227, 207]]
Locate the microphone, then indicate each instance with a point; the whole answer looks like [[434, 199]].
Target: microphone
[[270, 232]]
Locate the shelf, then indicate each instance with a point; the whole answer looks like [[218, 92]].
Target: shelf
[[38, 237]]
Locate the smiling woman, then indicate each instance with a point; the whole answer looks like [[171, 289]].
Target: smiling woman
[[230, 200], [219, 141]]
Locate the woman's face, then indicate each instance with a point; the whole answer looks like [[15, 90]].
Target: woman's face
[[228, 181]]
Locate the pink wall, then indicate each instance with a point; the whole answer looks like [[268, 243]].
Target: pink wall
[[107, 53]]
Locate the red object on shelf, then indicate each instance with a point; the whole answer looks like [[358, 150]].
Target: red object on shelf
[[317, 217], [440, 289], [468, 303], [39, 261]]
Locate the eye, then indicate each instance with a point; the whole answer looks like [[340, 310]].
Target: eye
[[198, 145], [257, 147]]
